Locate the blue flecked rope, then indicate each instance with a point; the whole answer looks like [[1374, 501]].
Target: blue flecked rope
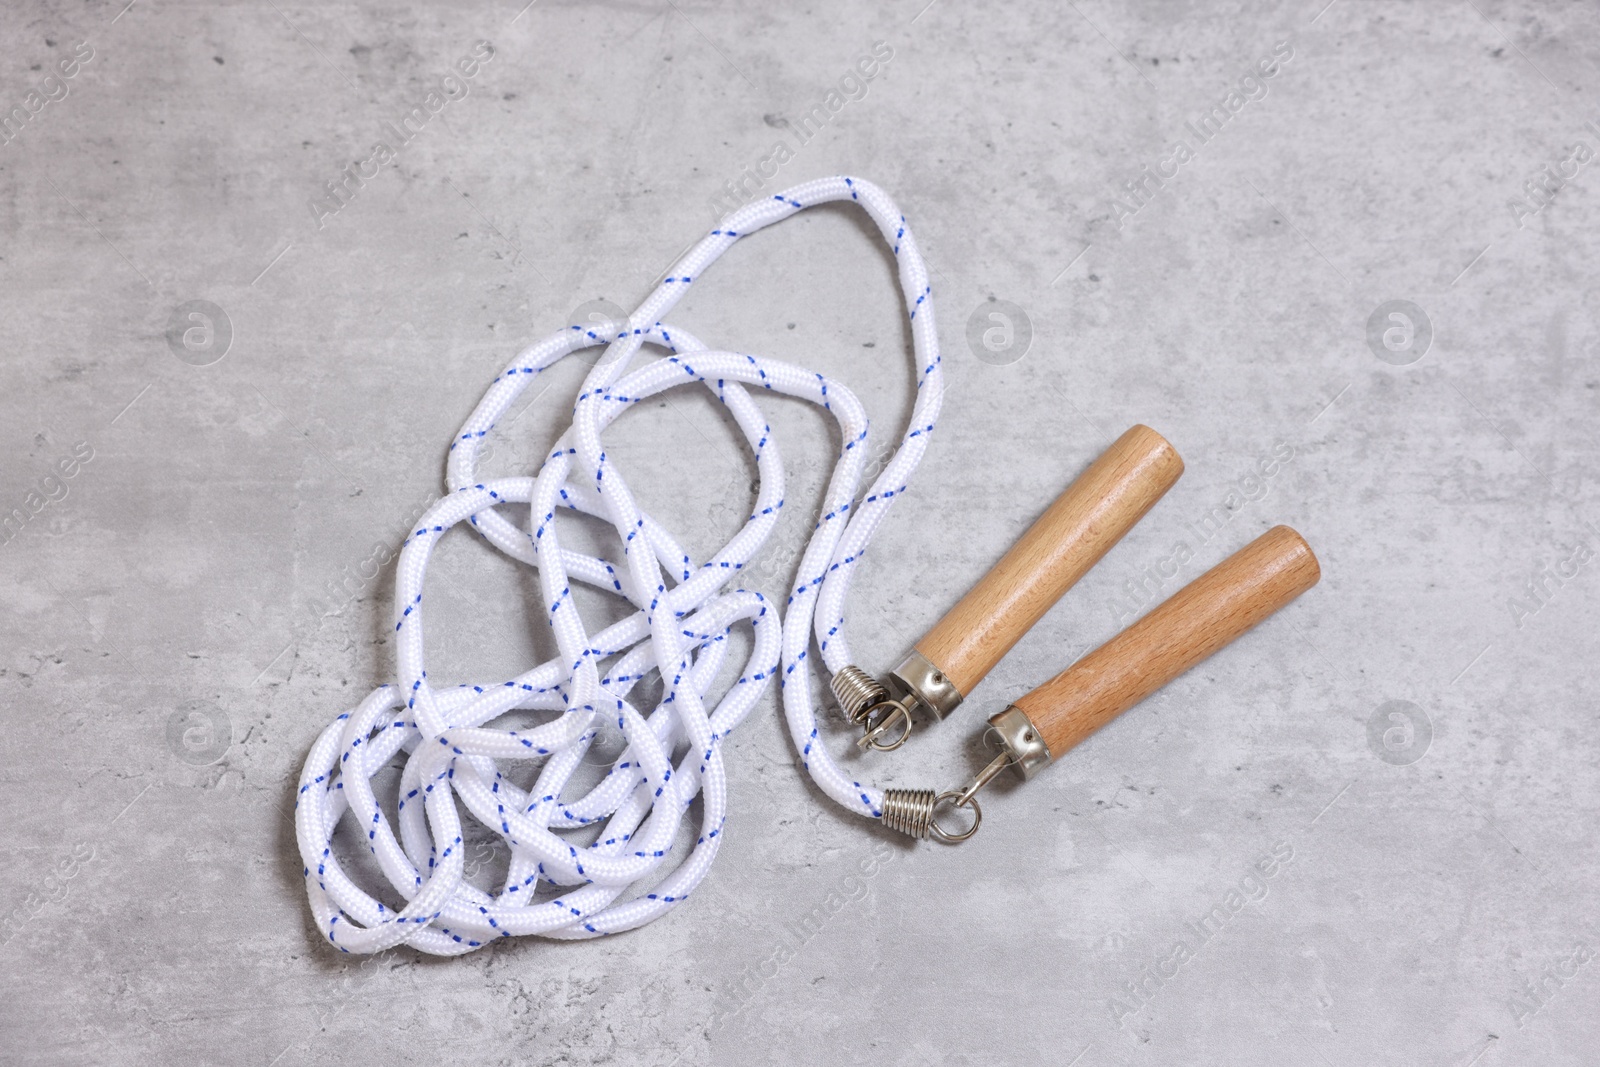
[[684, 614]]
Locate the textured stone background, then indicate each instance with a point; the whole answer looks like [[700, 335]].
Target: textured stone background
[[170, 648]]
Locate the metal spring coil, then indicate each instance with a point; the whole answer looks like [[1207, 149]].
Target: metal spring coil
[[909, 810], [857, 692]]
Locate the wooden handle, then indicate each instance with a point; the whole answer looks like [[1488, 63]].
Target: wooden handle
[[1059, 548], [1199, 619]]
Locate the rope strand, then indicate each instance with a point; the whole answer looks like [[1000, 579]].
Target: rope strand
[[684, 614]]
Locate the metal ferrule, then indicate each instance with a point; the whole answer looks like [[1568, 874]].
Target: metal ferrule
[[910, 811], [857, 692], [1022, 740], [915, 813], [918, 683]]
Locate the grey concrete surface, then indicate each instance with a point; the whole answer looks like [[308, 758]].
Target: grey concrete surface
[[1415, 740]]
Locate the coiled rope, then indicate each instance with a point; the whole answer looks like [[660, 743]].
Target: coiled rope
[[565, 880]]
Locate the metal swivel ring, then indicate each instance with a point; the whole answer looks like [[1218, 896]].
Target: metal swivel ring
[[880, 719]]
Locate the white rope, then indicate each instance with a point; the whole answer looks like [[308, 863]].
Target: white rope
[[456, 738]]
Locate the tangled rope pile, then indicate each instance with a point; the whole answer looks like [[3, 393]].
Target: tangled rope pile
[[681, 627]]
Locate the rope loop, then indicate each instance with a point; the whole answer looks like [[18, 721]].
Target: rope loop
[[615, 857]]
